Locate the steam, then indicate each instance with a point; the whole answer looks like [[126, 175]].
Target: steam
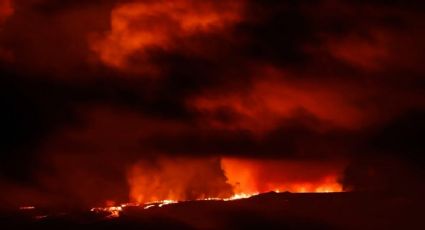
[[180, 178], [261, 175], [177, 179]]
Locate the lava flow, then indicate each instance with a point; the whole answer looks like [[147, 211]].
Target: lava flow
[[114, 211]]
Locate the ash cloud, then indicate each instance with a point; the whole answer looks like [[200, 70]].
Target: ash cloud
[[270, 80]]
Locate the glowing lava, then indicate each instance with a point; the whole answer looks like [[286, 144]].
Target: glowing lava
[[113, 211]]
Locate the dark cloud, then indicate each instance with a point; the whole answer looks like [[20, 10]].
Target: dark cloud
[[402, 135], [29, 115], [293, 139], [391, 156]]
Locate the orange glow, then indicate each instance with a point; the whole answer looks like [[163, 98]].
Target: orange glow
[[259, 176], [169, 180], [113, 211], [138, 26], [176, 180]]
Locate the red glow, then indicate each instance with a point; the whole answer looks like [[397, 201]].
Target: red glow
[[193, 179], [6, 9], [366, 53], [271, 100], [259, 176], [169, 181], [177, 179], [138, 26]]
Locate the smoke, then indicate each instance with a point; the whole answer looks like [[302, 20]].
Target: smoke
[[140, 27], [259, 175], [177, 179], [183, 178], [393, 159], [273, 98]]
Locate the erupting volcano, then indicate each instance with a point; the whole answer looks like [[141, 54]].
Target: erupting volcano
[[212, 114], [226, 178], [171, 181]]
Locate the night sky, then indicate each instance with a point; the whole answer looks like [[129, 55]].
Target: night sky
[[92, 91]]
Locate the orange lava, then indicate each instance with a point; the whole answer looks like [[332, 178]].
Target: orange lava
[[113, 211]]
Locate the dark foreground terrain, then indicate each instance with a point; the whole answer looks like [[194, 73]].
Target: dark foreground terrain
[[265, 211]]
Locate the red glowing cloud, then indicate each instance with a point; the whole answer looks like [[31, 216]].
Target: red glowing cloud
[[139, 26], [272, 99], [6, 9], [369, 53]]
